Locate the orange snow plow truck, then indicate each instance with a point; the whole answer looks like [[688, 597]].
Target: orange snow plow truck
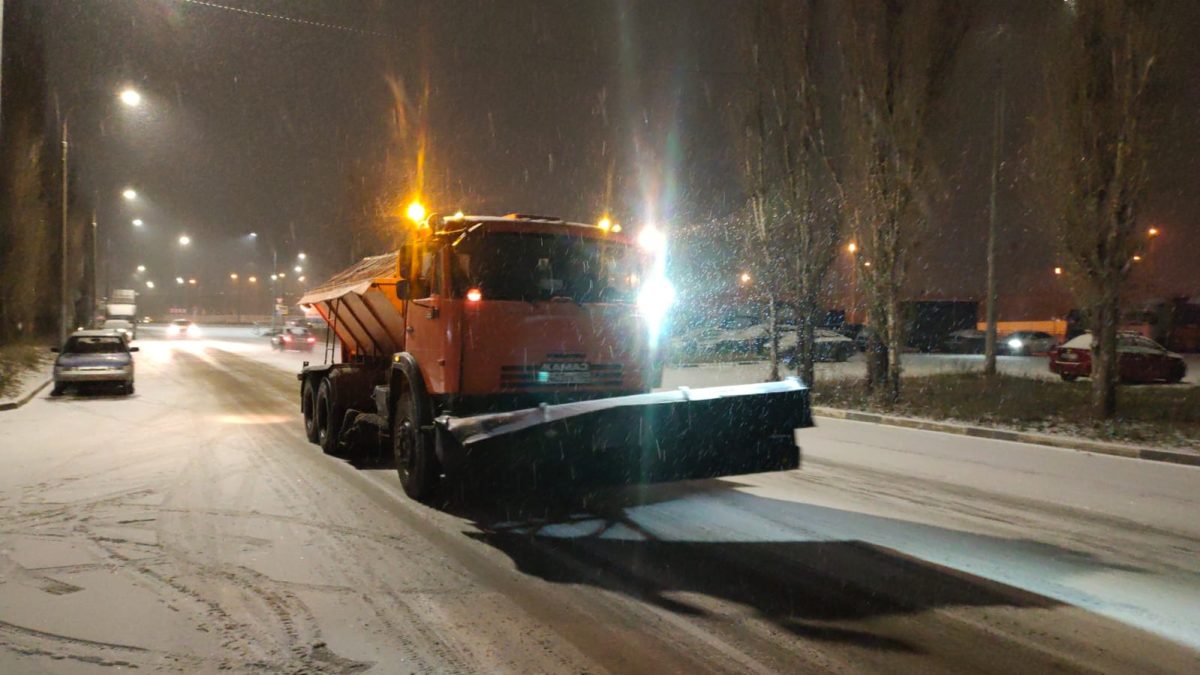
[[521, 349]]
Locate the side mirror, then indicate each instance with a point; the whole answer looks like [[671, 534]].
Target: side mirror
[[402, 289], [54, 349], [135, 349]]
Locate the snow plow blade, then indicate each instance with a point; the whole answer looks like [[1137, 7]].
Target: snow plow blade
[[645, 438]]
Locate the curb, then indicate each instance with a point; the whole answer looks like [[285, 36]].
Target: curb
[[13, 405], [1062, 442]]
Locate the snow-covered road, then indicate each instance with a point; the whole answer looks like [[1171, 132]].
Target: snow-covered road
[[193, 528]]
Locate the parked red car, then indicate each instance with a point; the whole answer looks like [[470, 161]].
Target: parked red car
[[1139, 359]]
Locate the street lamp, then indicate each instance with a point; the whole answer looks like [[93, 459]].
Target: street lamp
[[1058, 271], [301, 255], [233, 275], [138, 222], [179, 280], [253, 280], [149, 284], [141, 268], [131, 97], [852, 247], [129, 194], [415, 211], [745, 278], [1152, 232], [184, 240], [298, 269], [192, 282]]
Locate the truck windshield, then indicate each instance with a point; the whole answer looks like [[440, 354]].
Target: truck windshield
[[520, 266]]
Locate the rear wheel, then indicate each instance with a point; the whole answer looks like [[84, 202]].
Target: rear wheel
[[1068, 377], [413, 448], [308, 403], [57, 389], [329, 418]]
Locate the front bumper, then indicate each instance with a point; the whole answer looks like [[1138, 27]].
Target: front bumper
[[77, 375]]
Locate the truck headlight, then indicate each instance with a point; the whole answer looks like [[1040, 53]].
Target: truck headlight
[[655, 299]]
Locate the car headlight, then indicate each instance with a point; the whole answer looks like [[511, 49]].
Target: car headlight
[[1015, 343], [655, 298]]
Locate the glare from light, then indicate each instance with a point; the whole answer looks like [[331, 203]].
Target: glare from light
[[233, 275], [458, 215], [131, 98], [415, 211], [185, 240], [1137, 258], [274, 277], [655, 299], [474, 295], [141, 268], [149, 284], [282, 275], [1015, 343], [253, 235], [179, 280], [301, 255], [652, 239], [253, 280], [605, 224], [129, 194], [1058, 271], [1153, 232], [745, 277], [138, 222], [192, 282], [867, 263], [301, 278], [297, 269], [852, 247], [616, 227]]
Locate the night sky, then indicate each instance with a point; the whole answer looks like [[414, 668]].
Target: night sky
[[267, 122]]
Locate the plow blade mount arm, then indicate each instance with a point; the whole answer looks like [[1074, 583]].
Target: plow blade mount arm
[[644, 438]]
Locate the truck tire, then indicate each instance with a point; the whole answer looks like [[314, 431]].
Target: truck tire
[[308, 404], [413, 448], [329, 418]]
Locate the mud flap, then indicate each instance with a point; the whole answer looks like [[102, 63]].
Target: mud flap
[[645, 438]]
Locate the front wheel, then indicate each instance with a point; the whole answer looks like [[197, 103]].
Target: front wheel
[[329, 418], [308, 404], [416, 462]]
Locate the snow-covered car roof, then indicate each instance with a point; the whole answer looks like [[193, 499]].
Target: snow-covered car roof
[[826, 335]]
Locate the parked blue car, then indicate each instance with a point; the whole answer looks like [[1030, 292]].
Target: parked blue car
[[94, 357]]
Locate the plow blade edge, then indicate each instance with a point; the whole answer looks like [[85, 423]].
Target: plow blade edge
[[645, 438]]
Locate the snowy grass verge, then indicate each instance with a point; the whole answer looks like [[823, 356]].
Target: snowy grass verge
[[1162, 416], [19, 363]]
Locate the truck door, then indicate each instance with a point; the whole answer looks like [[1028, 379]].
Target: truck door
[[425, 334]]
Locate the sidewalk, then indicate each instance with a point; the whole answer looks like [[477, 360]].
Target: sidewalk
[[1174, 456]]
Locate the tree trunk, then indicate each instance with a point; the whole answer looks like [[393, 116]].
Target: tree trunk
[[773, 337], [1105, 368], [893, 348], [806, 348]]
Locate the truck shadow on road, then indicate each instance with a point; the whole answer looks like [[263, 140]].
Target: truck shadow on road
[[666, 545]]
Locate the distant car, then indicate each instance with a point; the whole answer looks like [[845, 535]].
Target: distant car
[[182, 328], [293, 338], [827, 346], [121, 325], [1139, 359], [966, 341], [1026, 342], [94, 357]]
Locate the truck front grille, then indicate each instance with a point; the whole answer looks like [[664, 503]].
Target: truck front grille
[[608, 375]]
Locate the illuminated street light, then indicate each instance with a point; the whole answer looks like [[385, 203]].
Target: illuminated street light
[[129, 194], [131, 98], [141, 268], [1152, 232], [192, 282], [298, 269], [253, 235], [745, 277], [301, 278], [233, 275], [274, 277], [184, 240], [301, 255], [867, 263], [282, 275], [1058, 271], [852, 247], [415, 211], [605, 224], [652, 239], [179, 280], [138, 222], [616, 227], [253, 280], [1137, 258], [149, 284]]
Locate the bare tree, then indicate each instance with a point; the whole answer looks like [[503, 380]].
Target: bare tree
[[897, 55], [1091, 149]]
